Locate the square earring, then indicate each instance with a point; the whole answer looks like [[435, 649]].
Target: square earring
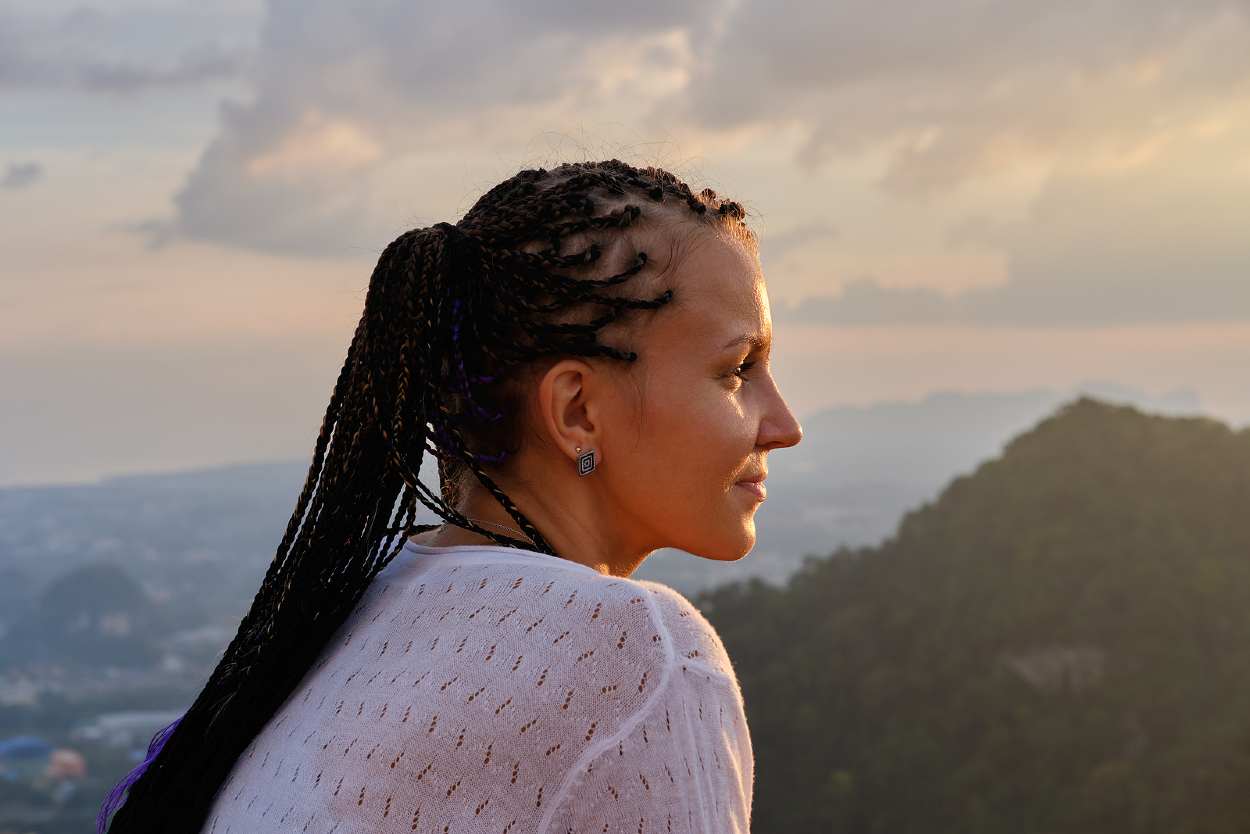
[[585, 461]]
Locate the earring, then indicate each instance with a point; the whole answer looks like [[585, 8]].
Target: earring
[[585, 461]]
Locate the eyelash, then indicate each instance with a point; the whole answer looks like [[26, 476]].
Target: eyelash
[[741, 370]]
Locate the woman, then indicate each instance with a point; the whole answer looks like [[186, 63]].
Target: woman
[[501, 672]]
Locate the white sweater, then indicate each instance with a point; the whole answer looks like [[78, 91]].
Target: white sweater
[[481, 688]]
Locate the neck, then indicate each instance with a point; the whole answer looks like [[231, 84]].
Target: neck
[[450, 535], [559, 517]]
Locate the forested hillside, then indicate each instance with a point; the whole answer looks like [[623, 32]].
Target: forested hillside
[[1058, 643]]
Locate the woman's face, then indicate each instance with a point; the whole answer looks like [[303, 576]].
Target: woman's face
[[673, 431], [700, 410]]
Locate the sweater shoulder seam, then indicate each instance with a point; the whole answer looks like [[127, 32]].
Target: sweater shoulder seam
[[578, 768]]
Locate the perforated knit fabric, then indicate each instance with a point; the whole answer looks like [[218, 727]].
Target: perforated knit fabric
[[481, 688]]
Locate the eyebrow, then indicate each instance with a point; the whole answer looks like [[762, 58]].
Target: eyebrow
[[754, 341]]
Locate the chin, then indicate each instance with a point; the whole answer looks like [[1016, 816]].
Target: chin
[[734, 557], [732, 551], [729, 540]]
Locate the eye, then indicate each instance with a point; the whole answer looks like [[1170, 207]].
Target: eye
[[741, 370]]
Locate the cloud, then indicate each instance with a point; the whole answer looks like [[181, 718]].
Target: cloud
[[1161, 240], [775, 247], [361, 114], [346, 137], [205, 65], [123, 52], [286, 179], [965, 89], [21, 175], [948, 92]]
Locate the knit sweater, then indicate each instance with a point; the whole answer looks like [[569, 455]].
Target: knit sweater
[[484, 688]]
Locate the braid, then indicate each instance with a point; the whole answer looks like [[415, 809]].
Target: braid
[[455, 317]]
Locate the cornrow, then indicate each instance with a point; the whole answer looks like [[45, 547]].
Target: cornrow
[[454, 317]]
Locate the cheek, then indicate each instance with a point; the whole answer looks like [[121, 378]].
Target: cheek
[[677, 483], [690, 442]]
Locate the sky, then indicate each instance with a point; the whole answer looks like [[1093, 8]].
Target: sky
[[953, 196]]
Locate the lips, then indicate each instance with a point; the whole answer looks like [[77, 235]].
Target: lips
[[756, 488]]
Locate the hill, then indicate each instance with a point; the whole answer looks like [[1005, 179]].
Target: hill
[[95, 615], [1056, 643]]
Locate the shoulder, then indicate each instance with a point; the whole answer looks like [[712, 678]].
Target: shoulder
[[694, 639], [684, 759], [490, 678]]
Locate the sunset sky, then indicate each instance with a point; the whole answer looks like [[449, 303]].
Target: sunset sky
[[950, 195]]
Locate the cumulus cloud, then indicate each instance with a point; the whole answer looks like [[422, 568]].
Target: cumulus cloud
[[359, 111], [367, 119], [1160, 240], [961, 89], [1132, 113], [21, 175]]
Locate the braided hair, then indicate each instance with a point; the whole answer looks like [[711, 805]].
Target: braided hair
[[456, 319]]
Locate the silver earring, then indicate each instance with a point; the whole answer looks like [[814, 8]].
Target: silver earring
[[585, 461]]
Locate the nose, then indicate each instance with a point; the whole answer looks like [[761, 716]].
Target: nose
[[789, 437], [780, 428]]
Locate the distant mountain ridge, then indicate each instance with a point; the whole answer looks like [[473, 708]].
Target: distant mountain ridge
[[1057, 642], [209, 533]]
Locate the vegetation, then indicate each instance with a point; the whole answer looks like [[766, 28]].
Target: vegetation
[[1057, 643]]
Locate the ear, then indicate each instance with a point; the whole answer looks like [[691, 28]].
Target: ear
[[571, 399]]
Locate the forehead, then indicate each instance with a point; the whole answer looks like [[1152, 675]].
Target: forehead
[[719, 291]]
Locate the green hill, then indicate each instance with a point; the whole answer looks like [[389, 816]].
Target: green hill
[[1060, 642], [95, 615]]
